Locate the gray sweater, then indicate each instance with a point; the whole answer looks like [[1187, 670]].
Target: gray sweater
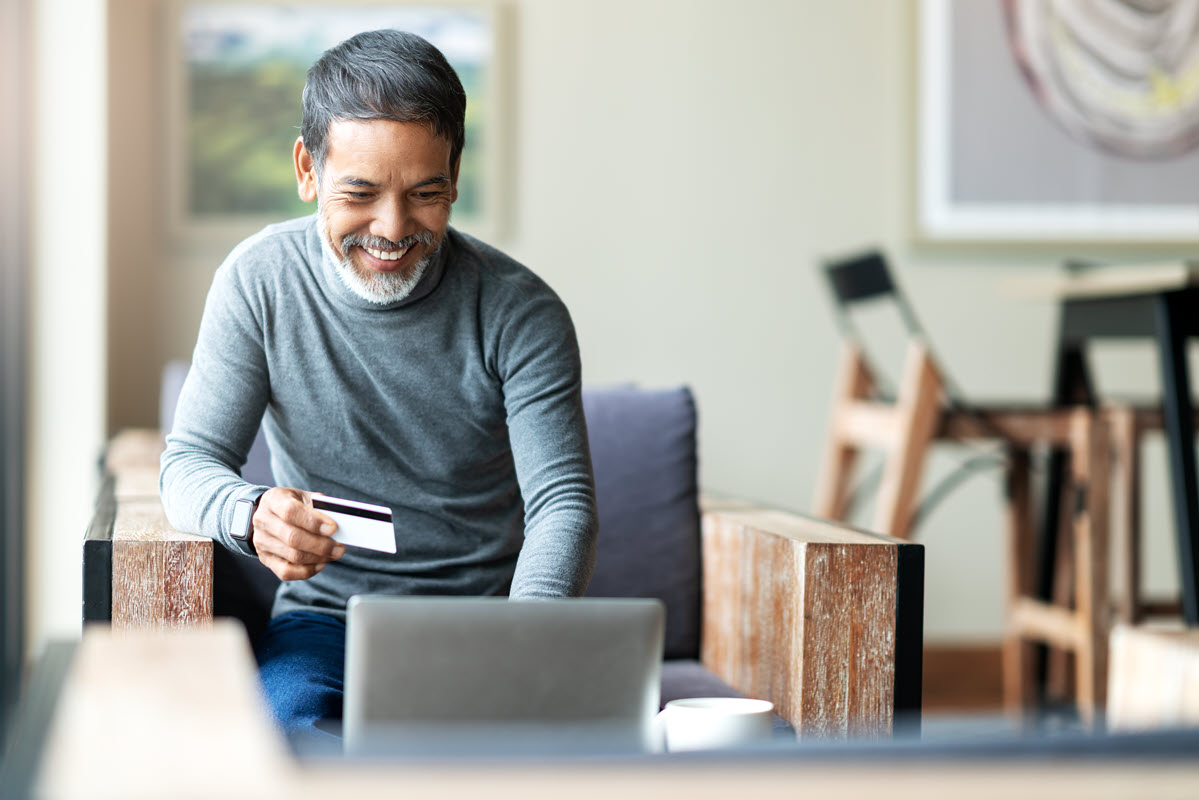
[[459, 407]]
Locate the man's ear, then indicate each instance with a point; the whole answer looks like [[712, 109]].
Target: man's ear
[[305, 171]]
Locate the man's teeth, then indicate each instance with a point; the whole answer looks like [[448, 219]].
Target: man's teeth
[[386, 255]]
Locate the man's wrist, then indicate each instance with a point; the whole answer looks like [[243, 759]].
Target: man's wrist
[[242, 529]]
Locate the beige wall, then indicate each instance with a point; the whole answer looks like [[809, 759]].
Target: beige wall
[[678, 169], [138, 275]]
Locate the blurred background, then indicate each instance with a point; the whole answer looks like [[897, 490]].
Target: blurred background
[[675, 169]]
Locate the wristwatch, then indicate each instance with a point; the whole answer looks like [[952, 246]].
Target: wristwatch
[[243, 518]]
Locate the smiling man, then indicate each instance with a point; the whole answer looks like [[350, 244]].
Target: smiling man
[[390, 360], [372, 165]]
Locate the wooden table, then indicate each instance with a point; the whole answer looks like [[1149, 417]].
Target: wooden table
[[1160, 302], [176, 713]]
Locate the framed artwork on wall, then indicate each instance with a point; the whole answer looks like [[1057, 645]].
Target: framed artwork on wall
[[1069, 121], [234, 81]]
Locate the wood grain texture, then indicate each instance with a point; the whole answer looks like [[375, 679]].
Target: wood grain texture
[[160, 577], [806, 621]]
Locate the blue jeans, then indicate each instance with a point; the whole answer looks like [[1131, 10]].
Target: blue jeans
[[301, 663]]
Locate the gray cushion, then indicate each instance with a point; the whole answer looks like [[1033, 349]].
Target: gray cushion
[[643, 450], [256, 470]]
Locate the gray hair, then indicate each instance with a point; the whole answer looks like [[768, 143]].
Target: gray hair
[[383, 75]]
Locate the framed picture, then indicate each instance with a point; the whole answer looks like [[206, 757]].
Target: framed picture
[[234, 83], [1071, 120]]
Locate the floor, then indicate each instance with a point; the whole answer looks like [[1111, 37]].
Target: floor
[[963, 698], [962, 678]]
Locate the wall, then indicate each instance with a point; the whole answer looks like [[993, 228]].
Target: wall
[[679, 169], [66, 396]]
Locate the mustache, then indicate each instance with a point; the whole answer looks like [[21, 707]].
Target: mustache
[[379, 243]]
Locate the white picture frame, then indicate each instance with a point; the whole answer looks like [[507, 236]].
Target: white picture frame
[[1015, 133], [207, 226]]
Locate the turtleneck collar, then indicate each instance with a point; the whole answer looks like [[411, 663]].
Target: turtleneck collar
[[328, 271]]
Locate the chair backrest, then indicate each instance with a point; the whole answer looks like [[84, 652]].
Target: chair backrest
[[863, 277], [866, 277], [860, 277], [858, 421], [643, 449]]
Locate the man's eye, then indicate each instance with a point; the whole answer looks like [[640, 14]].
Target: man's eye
[[361, 195], [427, 195]]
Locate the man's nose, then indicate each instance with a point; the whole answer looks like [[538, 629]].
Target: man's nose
[[391, 221]]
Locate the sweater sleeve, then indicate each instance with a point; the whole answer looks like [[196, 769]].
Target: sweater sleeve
[[542, 383], [220, 408]]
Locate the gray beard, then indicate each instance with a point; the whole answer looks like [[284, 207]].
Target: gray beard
[[379, 288]]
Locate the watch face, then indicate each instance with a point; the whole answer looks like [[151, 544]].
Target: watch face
[[1122, 75], [243, 519]]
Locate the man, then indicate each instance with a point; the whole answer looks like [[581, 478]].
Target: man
[[391, 360]]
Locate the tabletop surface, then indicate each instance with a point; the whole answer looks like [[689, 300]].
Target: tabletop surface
[[178, 713], [1117, 280]]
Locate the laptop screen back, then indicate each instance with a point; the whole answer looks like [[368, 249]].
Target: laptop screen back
[[479, 675]]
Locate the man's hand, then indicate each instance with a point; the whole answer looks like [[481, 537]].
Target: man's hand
[[292, 538]]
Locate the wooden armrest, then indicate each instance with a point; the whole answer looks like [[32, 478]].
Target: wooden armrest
[[134, 448], [164, 714], [138, 570], [160, 577], [824, 620]]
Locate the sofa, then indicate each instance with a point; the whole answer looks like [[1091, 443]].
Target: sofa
[[824, 620], [643, 450]]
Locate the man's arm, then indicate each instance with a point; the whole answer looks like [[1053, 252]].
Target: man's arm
[[542, 381], [220, 408]]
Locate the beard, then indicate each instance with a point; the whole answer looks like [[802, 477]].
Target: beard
[[379, 288]]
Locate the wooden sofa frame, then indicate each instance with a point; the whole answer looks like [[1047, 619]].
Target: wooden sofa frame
[[822, 619]]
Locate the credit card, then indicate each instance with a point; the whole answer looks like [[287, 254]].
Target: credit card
[[359, 524]]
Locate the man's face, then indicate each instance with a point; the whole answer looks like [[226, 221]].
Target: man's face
[[384, 197]]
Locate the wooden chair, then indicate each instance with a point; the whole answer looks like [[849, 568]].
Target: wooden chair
[[1129, 426], [927, 408]]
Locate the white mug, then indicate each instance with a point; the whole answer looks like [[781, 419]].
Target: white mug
[[709, 723]]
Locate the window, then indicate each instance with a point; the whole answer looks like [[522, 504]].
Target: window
[[238, 74]]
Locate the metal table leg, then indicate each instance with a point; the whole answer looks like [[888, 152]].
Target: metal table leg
[[1180, 438]]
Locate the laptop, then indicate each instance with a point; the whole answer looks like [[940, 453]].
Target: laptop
[[437, 676]]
